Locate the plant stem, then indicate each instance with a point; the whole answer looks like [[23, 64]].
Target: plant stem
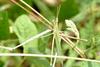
[[72, 45], [31, 13], [36, 12], [52, 49], [48, 56], [25, 42]]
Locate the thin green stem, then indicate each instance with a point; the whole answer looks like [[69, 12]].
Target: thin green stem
[[58, 11], [52, 49]]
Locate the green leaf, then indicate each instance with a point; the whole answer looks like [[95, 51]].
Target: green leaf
[[68, 9], [24, 29], [4, 26]]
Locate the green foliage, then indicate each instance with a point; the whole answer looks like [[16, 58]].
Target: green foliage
[[69, 8], [89, 64], [4, 26], [45, 10], [25, 29], [85, 13]]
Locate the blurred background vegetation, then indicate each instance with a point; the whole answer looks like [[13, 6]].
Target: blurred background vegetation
[[16, 25]]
